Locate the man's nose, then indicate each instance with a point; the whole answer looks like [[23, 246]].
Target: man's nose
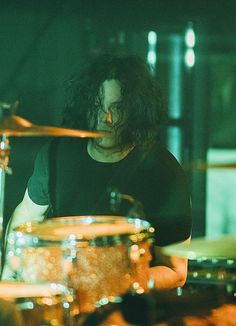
[[108, 117]]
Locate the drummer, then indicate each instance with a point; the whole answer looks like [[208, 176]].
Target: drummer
[[120, 96]]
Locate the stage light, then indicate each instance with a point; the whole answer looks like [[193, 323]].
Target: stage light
[[151, 54], [151, 57], [189, 57], [190, 37], [152, 38], [190, 40]]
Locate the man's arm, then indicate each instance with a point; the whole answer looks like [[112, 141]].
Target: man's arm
[[172, 271], [26, 211]]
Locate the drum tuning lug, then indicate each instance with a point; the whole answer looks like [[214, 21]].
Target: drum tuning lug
[[134, 253]]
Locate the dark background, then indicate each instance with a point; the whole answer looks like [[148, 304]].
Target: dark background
[[43, 42]]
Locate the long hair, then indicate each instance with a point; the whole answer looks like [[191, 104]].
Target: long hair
[[141, 98]]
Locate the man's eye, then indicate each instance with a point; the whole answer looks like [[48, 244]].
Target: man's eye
[[114, 108], [97, 101]]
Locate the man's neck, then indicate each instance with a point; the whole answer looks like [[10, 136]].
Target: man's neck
[[107, 155]]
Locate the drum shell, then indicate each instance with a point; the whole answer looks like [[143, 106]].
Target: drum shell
[[102, 273]]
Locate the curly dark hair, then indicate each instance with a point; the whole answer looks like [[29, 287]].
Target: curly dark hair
[[141, 97]]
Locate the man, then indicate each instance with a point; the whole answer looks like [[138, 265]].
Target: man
[[117, 95]]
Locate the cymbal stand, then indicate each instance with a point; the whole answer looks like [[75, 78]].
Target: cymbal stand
[[4, 159]]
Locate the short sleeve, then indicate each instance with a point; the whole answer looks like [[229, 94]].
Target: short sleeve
[[175, 221], [167, 198], [38, 182]]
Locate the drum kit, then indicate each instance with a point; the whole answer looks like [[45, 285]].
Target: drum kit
[[77, 270]]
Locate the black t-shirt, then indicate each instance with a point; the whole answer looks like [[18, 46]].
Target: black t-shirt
[[73, 184]]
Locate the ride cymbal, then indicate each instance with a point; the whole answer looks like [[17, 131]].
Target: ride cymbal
[[222, 247], [13, 125]]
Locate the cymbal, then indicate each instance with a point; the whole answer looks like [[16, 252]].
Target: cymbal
[[205, 166], [221, 247], [14, 125]]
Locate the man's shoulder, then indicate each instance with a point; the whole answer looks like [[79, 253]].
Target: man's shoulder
[[61, 147], [159, 156], [66, 144]]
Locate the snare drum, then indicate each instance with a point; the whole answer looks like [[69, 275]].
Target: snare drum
[[40, 304], [100, 256]]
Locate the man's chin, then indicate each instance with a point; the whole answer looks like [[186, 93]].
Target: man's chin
[[104, 143]]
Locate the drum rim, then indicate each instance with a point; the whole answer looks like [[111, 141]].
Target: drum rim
[[142, 231], [41, 289]]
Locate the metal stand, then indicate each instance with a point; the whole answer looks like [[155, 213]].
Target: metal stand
[[4, 159], [136, 210]]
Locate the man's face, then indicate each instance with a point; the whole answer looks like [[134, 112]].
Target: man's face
[[109, 118]]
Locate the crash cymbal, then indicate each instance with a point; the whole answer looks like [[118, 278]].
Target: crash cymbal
[[222, 247], [13, 125]]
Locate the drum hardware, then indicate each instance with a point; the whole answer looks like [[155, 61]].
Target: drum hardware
[[13, 125], [211, 269], [116, 198]]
